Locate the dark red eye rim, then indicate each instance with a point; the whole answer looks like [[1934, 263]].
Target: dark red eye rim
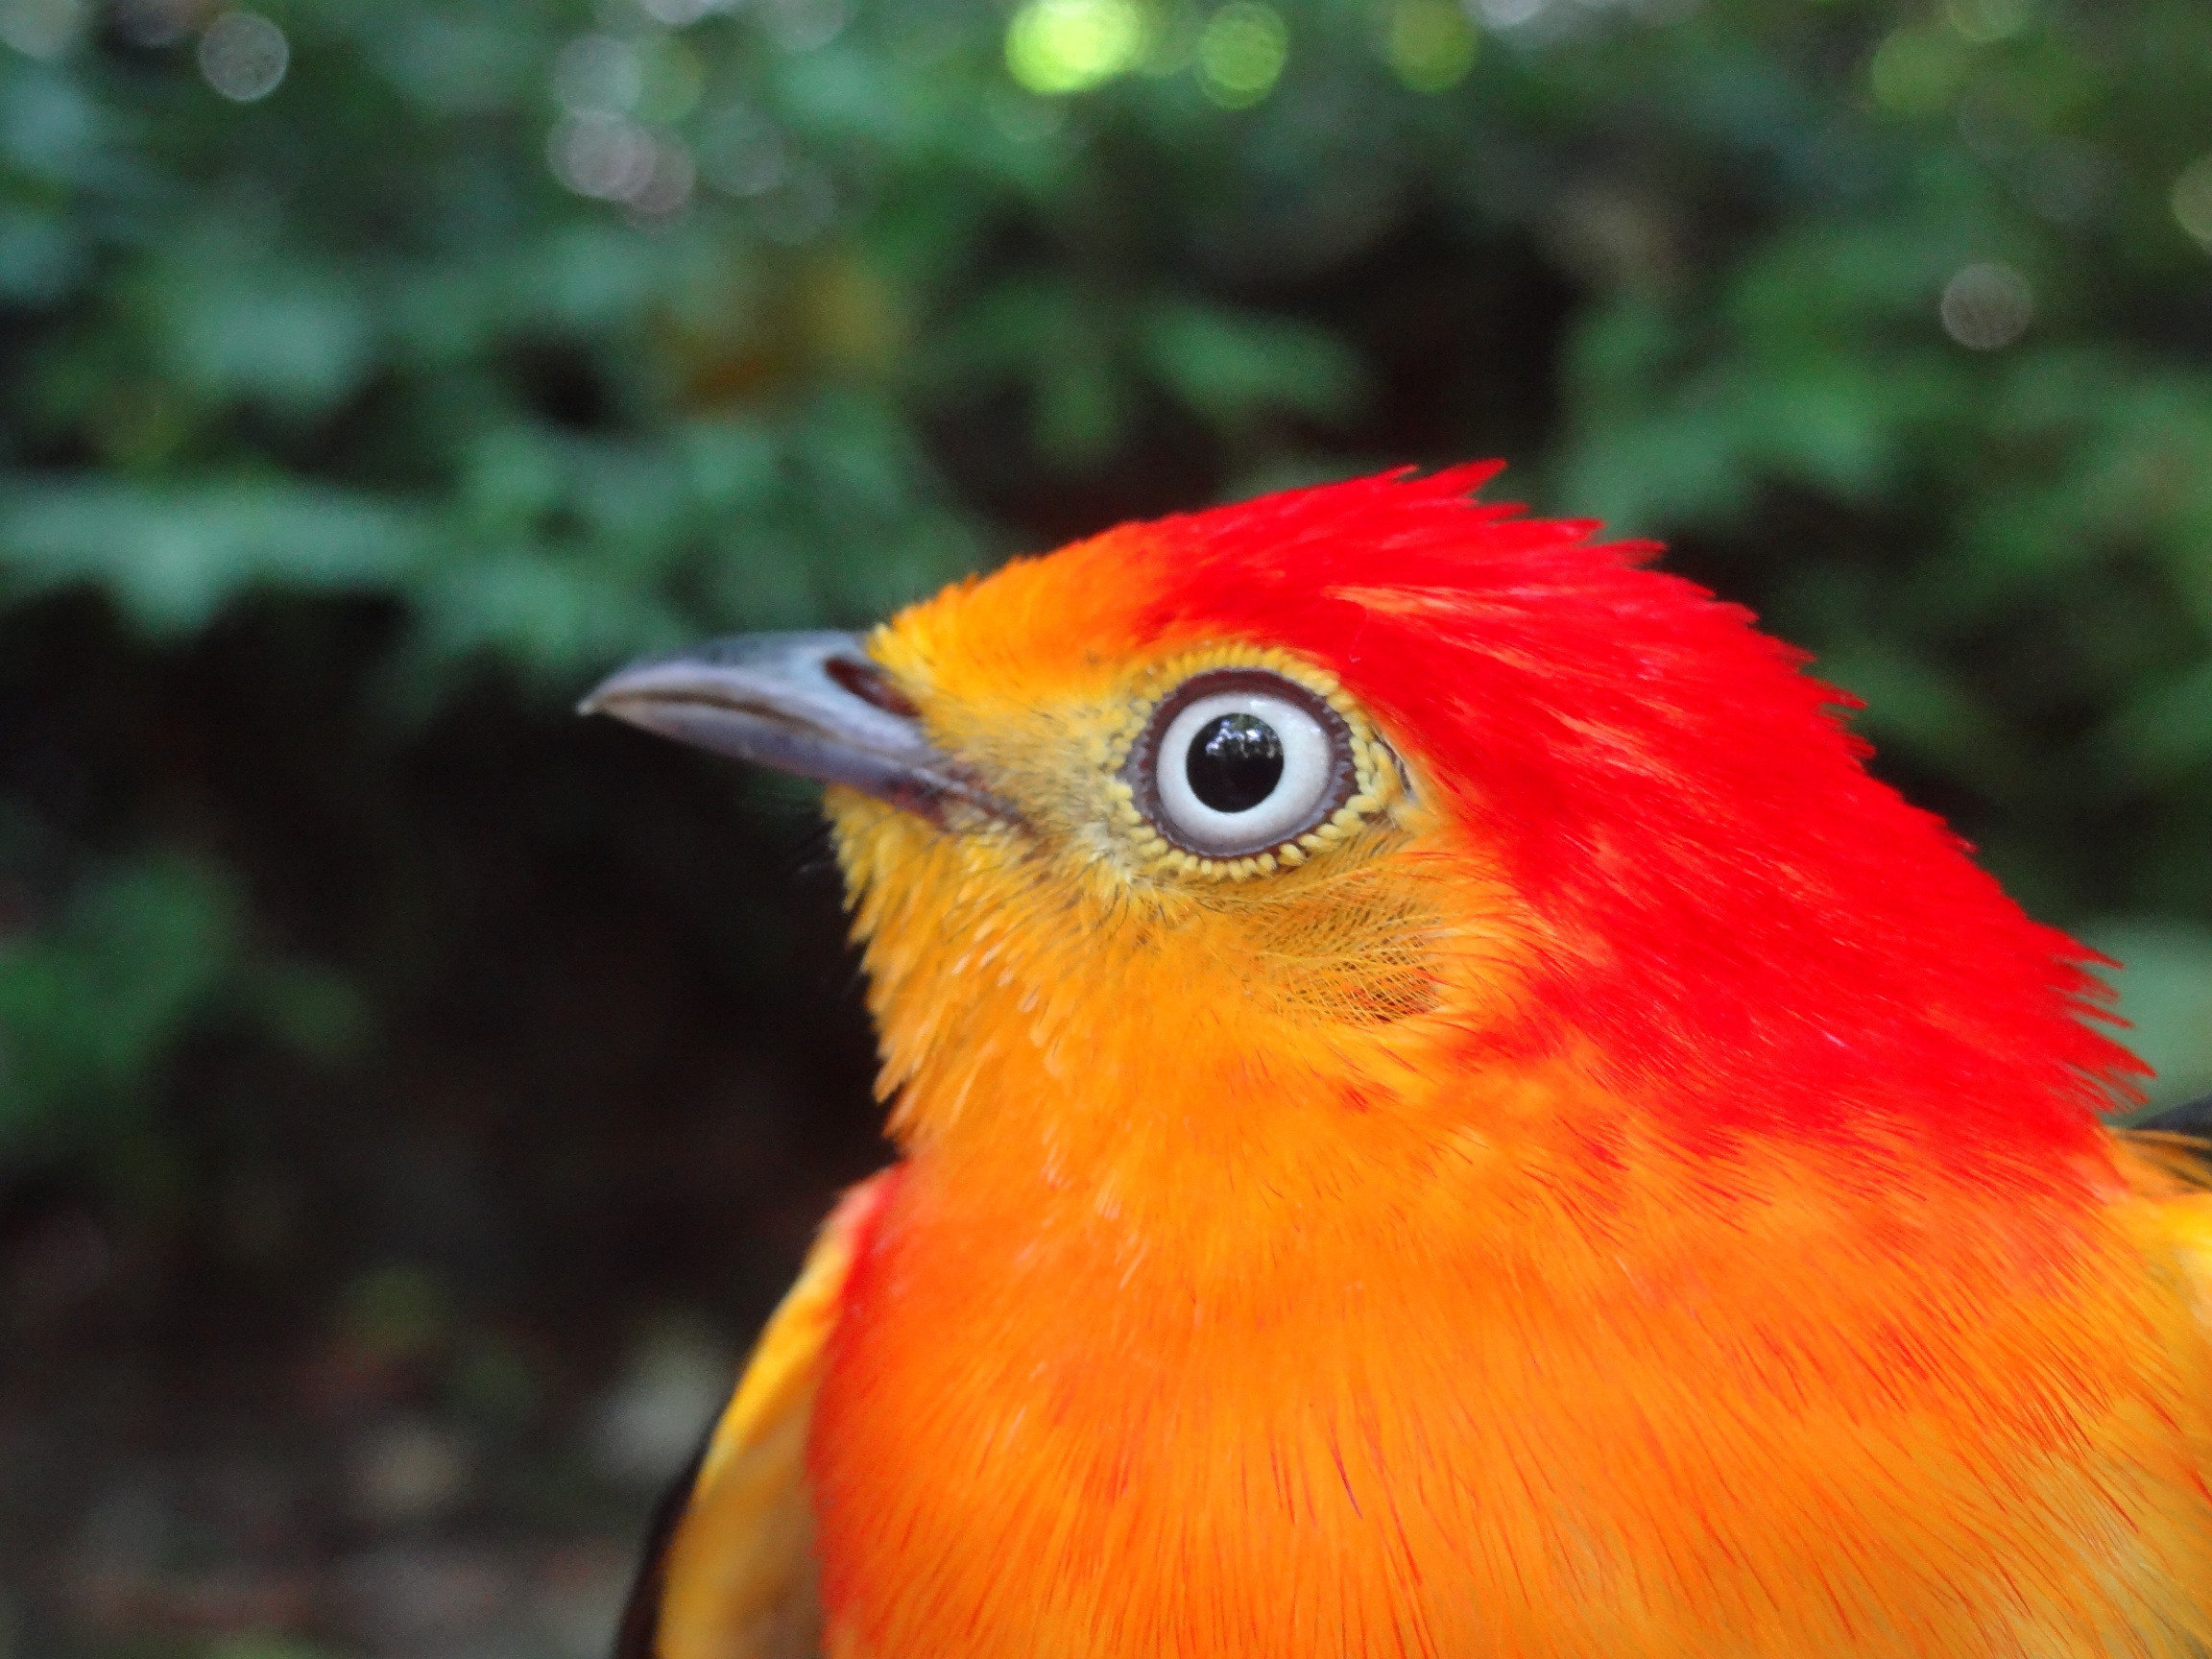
[[1140, 771]]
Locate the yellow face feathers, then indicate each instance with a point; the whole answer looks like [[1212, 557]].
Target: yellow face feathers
[[1010, 952]]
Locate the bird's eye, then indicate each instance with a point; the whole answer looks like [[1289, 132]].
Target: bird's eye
[[1238, 761]]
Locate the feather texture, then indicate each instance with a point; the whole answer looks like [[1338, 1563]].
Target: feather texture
[[1632, 1186]]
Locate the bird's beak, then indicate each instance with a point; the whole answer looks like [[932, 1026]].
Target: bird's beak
[[812, 704]]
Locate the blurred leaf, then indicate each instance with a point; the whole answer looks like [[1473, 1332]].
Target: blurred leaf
[[1230, 367], [2164, 730], [557, 620], [40, 256], [146, 950], [309, 1009], [88, 1008], [278, 332], [173, 557]]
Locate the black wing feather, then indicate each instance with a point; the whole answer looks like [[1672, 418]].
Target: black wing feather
[[2190, 1117], [638, 1635]]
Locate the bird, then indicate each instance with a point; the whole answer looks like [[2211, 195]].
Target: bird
[[1440, 1109]]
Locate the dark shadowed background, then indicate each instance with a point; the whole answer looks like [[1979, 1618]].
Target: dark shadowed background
[[412, 1096]]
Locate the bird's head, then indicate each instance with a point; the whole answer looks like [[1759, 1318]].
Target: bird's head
[[1368, 820]]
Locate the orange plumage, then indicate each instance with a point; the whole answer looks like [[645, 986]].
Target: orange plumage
[[1616, 1182]]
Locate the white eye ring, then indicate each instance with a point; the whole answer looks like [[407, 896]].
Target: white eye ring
[[1301, 795]]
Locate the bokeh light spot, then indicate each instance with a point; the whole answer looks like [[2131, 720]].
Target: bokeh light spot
[[608, 157], [1986, 21], [1917, 71], [1061, 46], [42, 28], [1242, 53], [804, 25], [244, 55], [1988, 307], [742, 153], [681, 14], [1428, 44], [667, 185], [2192, 200], [598, 75]]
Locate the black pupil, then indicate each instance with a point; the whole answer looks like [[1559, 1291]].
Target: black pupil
[[1234, 762]]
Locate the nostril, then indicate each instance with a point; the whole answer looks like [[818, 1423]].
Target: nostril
[[868, 682]]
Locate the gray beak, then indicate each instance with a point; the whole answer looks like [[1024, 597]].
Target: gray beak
[[813, 705]]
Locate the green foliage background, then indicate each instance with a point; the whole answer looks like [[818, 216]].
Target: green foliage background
[[340, 437]]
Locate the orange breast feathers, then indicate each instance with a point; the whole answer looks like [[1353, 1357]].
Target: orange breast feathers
[[1446, 1114], [1773, 1421]]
